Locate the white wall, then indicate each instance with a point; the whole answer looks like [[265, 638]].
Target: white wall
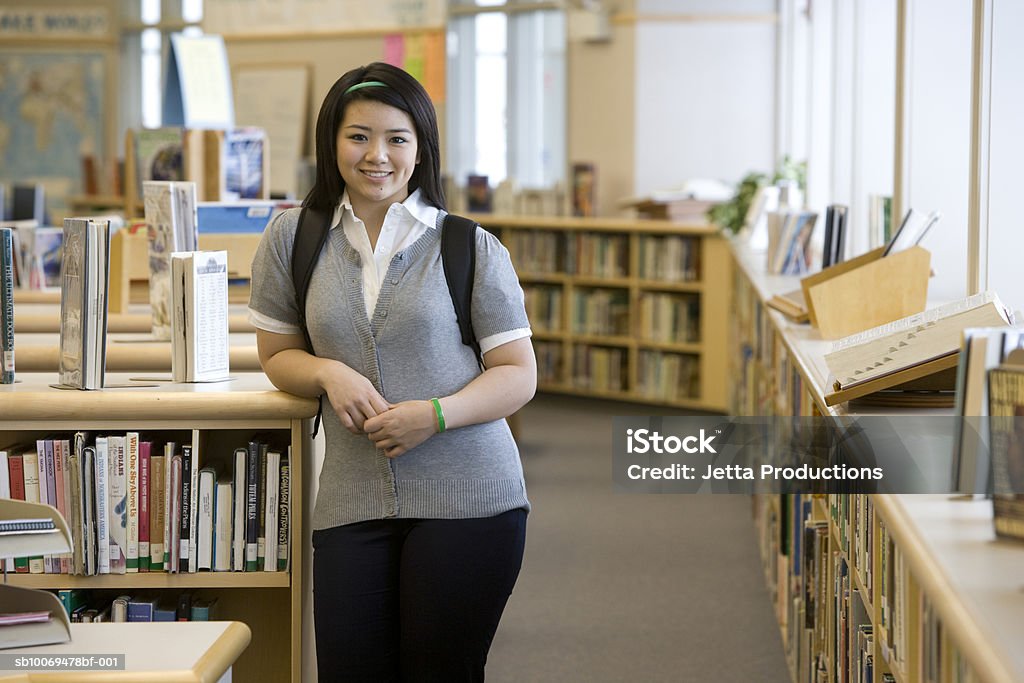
[[937, 131], [704, 101], [1006, 150]]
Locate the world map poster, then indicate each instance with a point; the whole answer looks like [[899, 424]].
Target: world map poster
[[51, 114]]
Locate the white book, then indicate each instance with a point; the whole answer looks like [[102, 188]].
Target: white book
[[117, 510], [5, 492], [222, 526], [271, 510], [199, 336], [238, 525], [204, 519], [87, 477], [102, 474], [169, 517], [68, 560], [132, 501], [44, 488]]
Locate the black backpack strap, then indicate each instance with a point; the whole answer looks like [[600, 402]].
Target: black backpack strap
[[458, 256], [310, 237]]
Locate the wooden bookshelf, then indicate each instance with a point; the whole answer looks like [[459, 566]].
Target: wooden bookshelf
[[625, 309], [218, 417], [941, 595]]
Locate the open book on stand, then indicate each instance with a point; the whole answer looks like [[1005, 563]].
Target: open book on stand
[[199, 292], [909, 349]]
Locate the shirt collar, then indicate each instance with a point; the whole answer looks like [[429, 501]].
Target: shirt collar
[[414, 206]]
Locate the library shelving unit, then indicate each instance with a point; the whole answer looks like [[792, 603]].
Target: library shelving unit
[[631, 310], [879, 587], [215, 418]]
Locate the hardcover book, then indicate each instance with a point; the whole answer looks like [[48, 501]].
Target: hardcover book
[[199, 336], [170, 209], [6, 306], [83, 306]]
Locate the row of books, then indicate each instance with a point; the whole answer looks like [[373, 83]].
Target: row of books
[[672, 258], [668, 376], [671, 318], [544, 307], [140, 505], [85, 606], [599, 368], [600, 312], [549, 361]]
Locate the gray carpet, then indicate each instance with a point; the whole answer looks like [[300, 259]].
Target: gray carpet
[[619, 587]]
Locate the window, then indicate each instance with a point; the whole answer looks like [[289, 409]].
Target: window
[[506, 74]]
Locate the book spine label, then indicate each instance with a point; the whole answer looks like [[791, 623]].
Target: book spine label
[[251, 500], [145, 503], [6, 306], [186, 507], [131, 550]]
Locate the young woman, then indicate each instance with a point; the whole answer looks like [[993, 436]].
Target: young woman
[[420, 519]]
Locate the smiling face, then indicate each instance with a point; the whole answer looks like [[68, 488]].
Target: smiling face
[[377, 152]]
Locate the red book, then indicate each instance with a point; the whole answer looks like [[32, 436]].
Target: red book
[[59, 458], [145, 448]]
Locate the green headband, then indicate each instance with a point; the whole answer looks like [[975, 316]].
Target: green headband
[[365, 84]]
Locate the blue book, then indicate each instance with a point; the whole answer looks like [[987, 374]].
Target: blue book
[[6, 306], [141, 609], [201, 609], [165, 611]]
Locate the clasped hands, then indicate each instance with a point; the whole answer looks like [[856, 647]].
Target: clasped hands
[[395, 428]]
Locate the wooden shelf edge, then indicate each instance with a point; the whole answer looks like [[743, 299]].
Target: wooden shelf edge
[[153, 580]]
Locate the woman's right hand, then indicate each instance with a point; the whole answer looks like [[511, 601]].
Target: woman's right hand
[[352, 396]]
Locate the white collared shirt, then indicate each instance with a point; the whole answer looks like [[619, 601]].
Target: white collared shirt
[[403, 224]]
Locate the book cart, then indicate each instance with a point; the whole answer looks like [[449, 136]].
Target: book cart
[[917, 584], [630, 310], [215, 418]]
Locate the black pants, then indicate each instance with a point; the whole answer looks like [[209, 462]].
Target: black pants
[[412, 599]]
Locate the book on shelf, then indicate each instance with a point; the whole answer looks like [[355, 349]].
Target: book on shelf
[[85, 279], [1006, 437], [199, 339], [834, 247], [170, 209], [908, 349], [912, 230], [584, 189], [244, 151], [982, 350], [6, 306], [789, 242], [479, 196]]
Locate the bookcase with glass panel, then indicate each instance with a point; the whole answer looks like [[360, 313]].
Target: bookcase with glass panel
[[632, 310], [179, 498]]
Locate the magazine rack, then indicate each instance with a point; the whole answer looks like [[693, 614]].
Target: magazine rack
[[15, 599], [867, 291]]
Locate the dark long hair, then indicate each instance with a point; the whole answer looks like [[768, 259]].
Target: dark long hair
[[402, 92]]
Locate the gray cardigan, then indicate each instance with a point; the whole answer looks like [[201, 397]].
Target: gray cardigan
[[409, 349]]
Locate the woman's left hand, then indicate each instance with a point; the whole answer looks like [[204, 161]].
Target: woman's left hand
[[402, 427]]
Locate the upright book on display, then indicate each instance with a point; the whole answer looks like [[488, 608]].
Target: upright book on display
[[199, 340], [171, 219], [6, 306], [83, 306]]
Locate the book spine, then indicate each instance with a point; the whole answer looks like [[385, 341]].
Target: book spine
[[59, 462], [47, 491], [157, 511], [73, 476], [284, 517], [251, 497], [131, 550], [273, 487], [261, 508], [102, 474], [222, 527], [35, 562], [145, 503], [87, 479], [186, 507], [170, 520], [5, 493], [193, 538], [117, 511], [16, 464], [239, 500], [173, 553], [204, 519], [6, 306]]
